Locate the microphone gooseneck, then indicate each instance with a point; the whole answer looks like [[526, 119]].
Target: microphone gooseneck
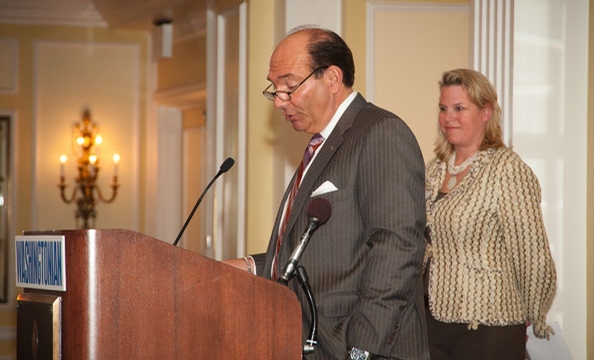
[[227, 164], [319, 211]]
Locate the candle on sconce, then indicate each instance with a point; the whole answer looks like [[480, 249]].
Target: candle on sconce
[[116, 160], [93, 160], [80, 141], [98, 140], [63, 159]]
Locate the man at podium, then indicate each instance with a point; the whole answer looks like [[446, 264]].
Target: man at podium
[[364, 264]]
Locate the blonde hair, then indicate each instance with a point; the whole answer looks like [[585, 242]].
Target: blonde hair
[[482, 94]]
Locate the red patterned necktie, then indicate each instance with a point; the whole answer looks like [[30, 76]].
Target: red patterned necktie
[[314, 143]]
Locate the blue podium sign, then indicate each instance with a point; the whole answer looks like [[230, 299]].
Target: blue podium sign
[[41, 262]]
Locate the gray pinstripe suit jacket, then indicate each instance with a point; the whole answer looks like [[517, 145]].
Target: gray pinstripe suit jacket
[[364, 265]]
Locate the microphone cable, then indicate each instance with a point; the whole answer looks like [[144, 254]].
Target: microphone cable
[[308, 348]]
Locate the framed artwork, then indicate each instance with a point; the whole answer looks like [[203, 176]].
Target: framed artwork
[[4, 206]]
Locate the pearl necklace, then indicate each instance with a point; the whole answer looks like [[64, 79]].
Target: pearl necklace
[[454, 170]]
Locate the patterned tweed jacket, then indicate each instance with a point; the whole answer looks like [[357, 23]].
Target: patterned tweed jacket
[[490, 257]]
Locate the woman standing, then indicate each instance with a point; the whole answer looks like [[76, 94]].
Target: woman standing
[[489, 270]]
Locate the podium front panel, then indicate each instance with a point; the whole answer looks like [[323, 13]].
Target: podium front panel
[[39, 327]]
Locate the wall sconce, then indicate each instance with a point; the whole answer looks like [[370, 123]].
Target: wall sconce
[[85, 136]]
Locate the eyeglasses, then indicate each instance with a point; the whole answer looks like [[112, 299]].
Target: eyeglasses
[[286, 95]]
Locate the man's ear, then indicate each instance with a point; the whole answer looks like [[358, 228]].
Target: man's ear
[[333, 76]]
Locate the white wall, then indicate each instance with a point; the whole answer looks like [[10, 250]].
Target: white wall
[[550, 133]]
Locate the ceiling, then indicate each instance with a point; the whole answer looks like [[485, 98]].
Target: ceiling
[[143, 13], [115, 14]]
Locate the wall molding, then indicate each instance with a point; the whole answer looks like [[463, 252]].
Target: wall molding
[[50, 13], [10, 52], [183, 96]]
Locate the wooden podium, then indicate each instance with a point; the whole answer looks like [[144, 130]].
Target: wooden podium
[[130, 296]]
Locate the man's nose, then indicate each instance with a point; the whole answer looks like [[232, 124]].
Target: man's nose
[[280, 103]]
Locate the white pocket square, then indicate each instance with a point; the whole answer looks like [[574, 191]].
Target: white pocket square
[[325, 188]]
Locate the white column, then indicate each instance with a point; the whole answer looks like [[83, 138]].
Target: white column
[[492, 52]]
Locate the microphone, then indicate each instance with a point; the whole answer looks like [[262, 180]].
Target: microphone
[[227, 164], [318, 212]]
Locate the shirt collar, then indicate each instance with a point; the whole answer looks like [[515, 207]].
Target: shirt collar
[[341, 109]]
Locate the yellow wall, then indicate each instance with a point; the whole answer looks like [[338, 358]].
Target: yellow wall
[[111, 89], [187, 64], [406, 69], [261, 209]]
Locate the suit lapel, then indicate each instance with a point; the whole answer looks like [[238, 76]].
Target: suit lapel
[[326, 153]]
